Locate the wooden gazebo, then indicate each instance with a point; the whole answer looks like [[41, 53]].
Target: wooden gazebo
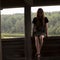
[[27, 4]]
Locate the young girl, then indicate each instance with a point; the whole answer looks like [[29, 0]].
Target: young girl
[[40, 30]]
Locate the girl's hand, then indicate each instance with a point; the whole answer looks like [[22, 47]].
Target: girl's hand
[[34, 30]]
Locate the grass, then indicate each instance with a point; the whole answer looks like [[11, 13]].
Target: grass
[[9, 35], [14, 35]]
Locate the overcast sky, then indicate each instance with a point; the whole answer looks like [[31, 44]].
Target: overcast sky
[[33, 9]]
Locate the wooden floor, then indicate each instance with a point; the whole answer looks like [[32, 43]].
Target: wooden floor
[[13, 49]]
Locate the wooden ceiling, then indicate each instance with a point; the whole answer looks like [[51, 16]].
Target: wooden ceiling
[[22, 3]]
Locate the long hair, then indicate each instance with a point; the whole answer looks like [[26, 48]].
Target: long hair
[[40, 14]]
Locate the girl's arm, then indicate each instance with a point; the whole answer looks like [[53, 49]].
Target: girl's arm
[[46, 29], [34, 28]]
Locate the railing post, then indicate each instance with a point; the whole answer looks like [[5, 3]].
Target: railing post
[[28, 46], [0, 37]]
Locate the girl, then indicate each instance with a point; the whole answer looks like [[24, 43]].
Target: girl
[[40, 30]]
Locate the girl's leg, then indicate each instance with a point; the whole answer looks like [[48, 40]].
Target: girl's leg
[[37, 45], [41, 37]]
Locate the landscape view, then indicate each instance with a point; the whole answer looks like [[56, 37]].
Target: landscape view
[[12, 25]]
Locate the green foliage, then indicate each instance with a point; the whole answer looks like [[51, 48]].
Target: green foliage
[[13, 24]]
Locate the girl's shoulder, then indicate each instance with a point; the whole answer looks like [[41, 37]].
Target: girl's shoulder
[[46, 20], [34, 19]]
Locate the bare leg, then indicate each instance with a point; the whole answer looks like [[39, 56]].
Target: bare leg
[[41, 37], [40, 45], [37, 44]]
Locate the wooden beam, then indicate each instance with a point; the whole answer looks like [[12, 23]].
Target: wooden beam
[[22, 3], [0, 38], [0, 34], [28, 2], [28, 47], [45, 2]]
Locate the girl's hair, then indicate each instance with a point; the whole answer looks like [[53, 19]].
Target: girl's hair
[[40, 11]]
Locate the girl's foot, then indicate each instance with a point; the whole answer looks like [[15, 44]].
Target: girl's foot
[[38, 56]]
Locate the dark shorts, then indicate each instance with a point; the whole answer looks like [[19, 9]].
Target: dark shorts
[[39, 33]]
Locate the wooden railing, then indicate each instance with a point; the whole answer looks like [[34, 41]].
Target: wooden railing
[[50, 49], [13, 49]]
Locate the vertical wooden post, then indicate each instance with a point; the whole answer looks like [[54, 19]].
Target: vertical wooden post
[[0, 38], [28, 46]]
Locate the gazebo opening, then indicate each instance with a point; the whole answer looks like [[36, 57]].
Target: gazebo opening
[[12, 23], [53, 14]]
